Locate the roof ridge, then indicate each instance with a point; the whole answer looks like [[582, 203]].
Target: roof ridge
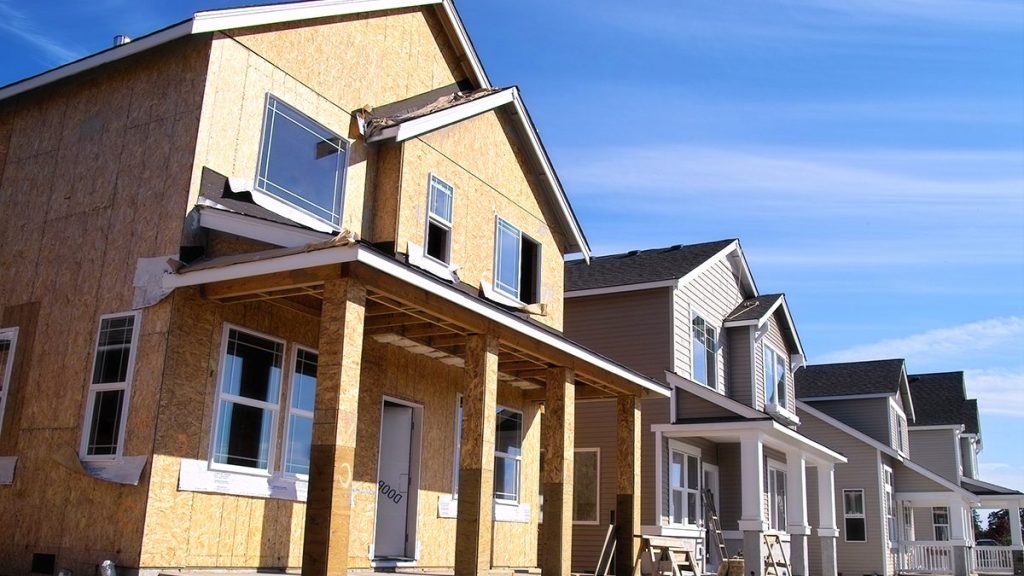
[[639, 251]]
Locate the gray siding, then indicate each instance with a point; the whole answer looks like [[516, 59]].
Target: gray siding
[[771, 335], [967, 457], [730, 486], [632, 328], [867, 415], [738, 384], [713, 294], [909, 481], [936, 451], [655, 411], [690, 406], [593, 431]]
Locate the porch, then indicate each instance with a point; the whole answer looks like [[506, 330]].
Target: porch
[[924, 557]]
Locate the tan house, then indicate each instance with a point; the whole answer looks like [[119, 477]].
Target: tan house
[[906, 495], [283, 287], [691, 316]]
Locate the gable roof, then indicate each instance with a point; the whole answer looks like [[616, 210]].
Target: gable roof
[[941, 399], [756, 311], [850, 379], [638, 268], [230, 18]]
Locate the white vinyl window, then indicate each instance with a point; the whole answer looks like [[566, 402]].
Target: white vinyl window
[[439, 220], [940, 520], [684, 486], [775, 487], [586, 487], [248, 400], [508, 454], [110, 386], [516, 264], [853, 516], [8, 345], [774, 377], [908, 523], [705, 352], [302, 163], [302, 399], [901, 426], [890, 504]]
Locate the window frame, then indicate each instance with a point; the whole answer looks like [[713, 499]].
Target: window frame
[[517, 459], [847, 516], [687, 451], [499, 286], [937, 525], [10, 335], [276, 411], [889, 504], [711, 367], [438, 220], [344, 144], [93, 389], [771, 479], [287, 435], [777, 357], [597, 487]]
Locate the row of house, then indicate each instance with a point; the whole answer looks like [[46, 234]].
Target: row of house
[[286, 287]]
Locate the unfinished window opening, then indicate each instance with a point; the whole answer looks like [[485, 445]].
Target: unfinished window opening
[[684, 486], [940, 520], [774, 377], [439, 220], [302, 163], [705, 357], [302, 398], [508, 454], [775, 487], [110, 386], [8, 344], [853, 516], [517, 264], [586, 485], [248, 400]]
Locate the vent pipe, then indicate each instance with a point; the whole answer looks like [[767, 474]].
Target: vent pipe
[[121, 40]]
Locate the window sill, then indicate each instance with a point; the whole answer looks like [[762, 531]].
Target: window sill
[[198, 476], [782, 414], [416, 256], [126, 470], [504, 511], [675, 530]]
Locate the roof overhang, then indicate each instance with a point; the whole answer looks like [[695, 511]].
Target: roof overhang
[[758, 322], [232, 18], [771, 433], [713, 396]]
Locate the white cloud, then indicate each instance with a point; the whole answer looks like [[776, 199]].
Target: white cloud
[[17, 23], [1003, 474], [998, 390]]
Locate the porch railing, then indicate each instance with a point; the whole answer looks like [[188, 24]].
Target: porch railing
[[993, 559], [926, 557]]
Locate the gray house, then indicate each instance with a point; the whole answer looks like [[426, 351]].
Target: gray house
[[691, 317]]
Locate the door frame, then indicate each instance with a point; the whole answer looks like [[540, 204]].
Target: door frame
[[415, 449], [711, 550]]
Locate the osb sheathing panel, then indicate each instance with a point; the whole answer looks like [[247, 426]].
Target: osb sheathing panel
[[192, 529], [96, 171], [483, 160]]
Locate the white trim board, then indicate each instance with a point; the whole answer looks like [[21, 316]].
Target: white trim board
[[436, 120], [213, 218]]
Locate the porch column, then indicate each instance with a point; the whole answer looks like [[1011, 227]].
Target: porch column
[[332, 454], [827, 530], [796, 513], [1015, 535], [559, 433], [752, 520], [627, 501], [959, 521], [476, 465]]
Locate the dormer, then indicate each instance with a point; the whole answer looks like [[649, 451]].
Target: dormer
[[946, 432]]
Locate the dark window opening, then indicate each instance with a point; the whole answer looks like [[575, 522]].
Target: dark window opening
[[438, 238], [529, 272]]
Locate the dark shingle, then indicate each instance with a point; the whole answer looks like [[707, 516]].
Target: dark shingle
[[753, 308], [849, 378], [640, 266], [941, 399], [972, 424]]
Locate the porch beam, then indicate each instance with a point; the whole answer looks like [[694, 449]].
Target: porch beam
[[627, 500], [476, 460], [558, 435], [271, 282], [332, 454]]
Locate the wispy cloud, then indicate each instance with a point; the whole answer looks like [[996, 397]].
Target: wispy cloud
[[998, 390], [19, 24], [1003, 474], [1003, 13]]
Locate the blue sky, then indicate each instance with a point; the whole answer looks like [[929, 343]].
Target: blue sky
[[868, 153]]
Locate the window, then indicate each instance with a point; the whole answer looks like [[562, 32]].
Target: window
[[901, 425], [775, 487], [586, 485], [774, 377], [890, 504], [439, 220], [684, 487], [516, 264], [250, 387], [508, 454], [301, 162], [110, 385], [940, 520], [8, 343], [853, 513], [300, 413], [908, 523], [705, 357]]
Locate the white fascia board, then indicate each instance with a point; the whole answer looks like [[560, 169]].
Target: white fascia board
[[438, 120], [953, 427], [848, 397], [908, 398], [324, 257], [734, 245], [214, 20], [792, 324], [464, 42], [262, 230], [621, 288], [767, 427], [713, 396], [745, 268]]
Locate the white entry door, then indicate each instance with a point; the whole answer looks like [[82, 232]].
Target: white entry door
[[393, 481]]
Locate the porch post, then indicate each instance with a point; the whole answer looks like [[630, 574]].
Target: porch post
[[558, 441], [959, 520], [332, 454], [827, 530], [627, 502], [476, 464], [1015, 535], [752, 520], [796, 501]]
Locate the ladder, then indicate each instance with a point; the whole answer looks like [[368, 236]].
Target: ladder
[[604, 562], [775, 566], [714, 524]]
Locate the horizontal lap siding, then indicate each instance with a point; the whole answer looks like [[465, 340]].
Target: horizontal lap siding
[[867, 415], [713, 294], [739, 383], [936, 451], [595, 429]]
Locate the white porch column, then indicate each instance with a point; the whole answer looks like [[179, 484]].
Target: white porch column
[[827, 530], [1015, 536], [959, 520], [752, 520], [796, 513]]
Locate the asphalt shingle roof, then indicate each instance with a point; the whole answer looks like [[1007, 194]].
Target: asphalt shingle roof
[[941, 399], [849, 378], [640, 266], [753, 308]]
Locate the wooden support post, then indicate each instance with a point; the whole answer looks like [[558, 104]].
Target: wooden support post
[[627, 501], [329, 500], [476, 459], [558, 441]]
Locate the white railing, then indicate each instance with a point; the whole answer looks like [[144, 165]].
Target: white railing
[[993, 559], [926, 557]]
